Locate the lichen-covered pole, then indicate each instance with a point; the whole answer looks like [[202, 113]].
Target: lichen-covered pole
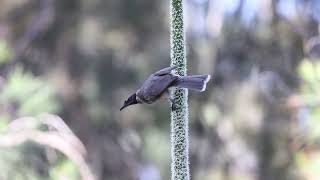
[[179, 114]]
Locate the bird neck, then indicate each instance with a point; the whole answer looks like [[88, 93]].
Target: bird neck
[[140, 101]]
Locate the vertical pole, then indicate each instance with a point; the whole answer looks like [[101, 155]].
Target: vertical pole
[[179, 115]]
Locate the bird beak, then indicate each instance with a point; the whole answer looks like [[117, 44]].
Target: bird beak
[[124, 106], [131, 100]]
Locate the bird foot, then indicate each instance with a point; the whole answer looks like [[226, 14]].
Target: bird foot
[[173, 105]]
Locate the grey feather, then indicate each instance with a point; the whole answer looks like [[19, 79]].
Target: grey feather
[[158, 83], [195, 82], [155, 86], [164, 71]]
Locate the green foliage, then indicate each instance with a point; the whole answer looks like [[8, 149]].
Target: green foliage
[[4, 121], [310, 74], [310, 89], [64, 170], [14, 166], [309, 161], [32, 95], [8, 160], [5, 52], [309, 71], [22, 94]]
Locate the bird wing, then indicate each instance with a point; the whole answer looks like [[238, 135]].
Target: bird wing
[[164, 71], [155, 86], [161, 83]]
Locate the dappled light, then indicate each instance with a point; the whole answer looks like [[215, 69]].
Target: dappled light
[[66, 67]]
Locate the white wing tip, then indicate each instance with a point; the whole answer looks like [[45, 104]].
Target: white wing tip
[[205, 83]]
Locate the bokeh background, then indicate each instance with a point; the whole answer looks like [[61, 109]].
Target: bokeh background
[[66, 66]]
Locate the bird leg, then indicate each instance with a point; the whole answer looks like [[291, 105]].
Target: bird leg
[[173, 104]]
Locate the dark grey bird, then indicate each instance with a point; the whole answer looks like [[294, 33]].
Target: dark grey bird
[[158, 84]]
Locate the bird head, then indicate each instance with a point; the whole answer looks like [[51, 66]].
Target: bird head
[[130, 101]]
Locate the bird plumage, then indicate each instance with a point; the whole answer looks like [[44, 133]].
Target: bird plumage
[[194, 82], [159, 82], [155, 86]]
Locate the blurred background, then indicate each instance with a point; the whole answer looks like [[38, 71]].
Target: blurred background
[[67, 66]]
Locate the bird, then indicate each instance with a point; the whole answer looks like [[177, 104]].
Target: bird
[[157, 85]]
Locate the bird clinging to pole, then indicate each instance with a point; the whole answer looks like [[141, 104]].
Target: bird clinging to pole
[[158, 84]]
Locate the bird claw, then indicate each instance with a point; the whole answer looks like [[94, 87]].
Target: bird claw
[[173, 105]]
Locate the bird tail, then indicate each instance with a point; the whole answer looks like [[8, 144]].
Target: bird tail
[[195, 82]]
